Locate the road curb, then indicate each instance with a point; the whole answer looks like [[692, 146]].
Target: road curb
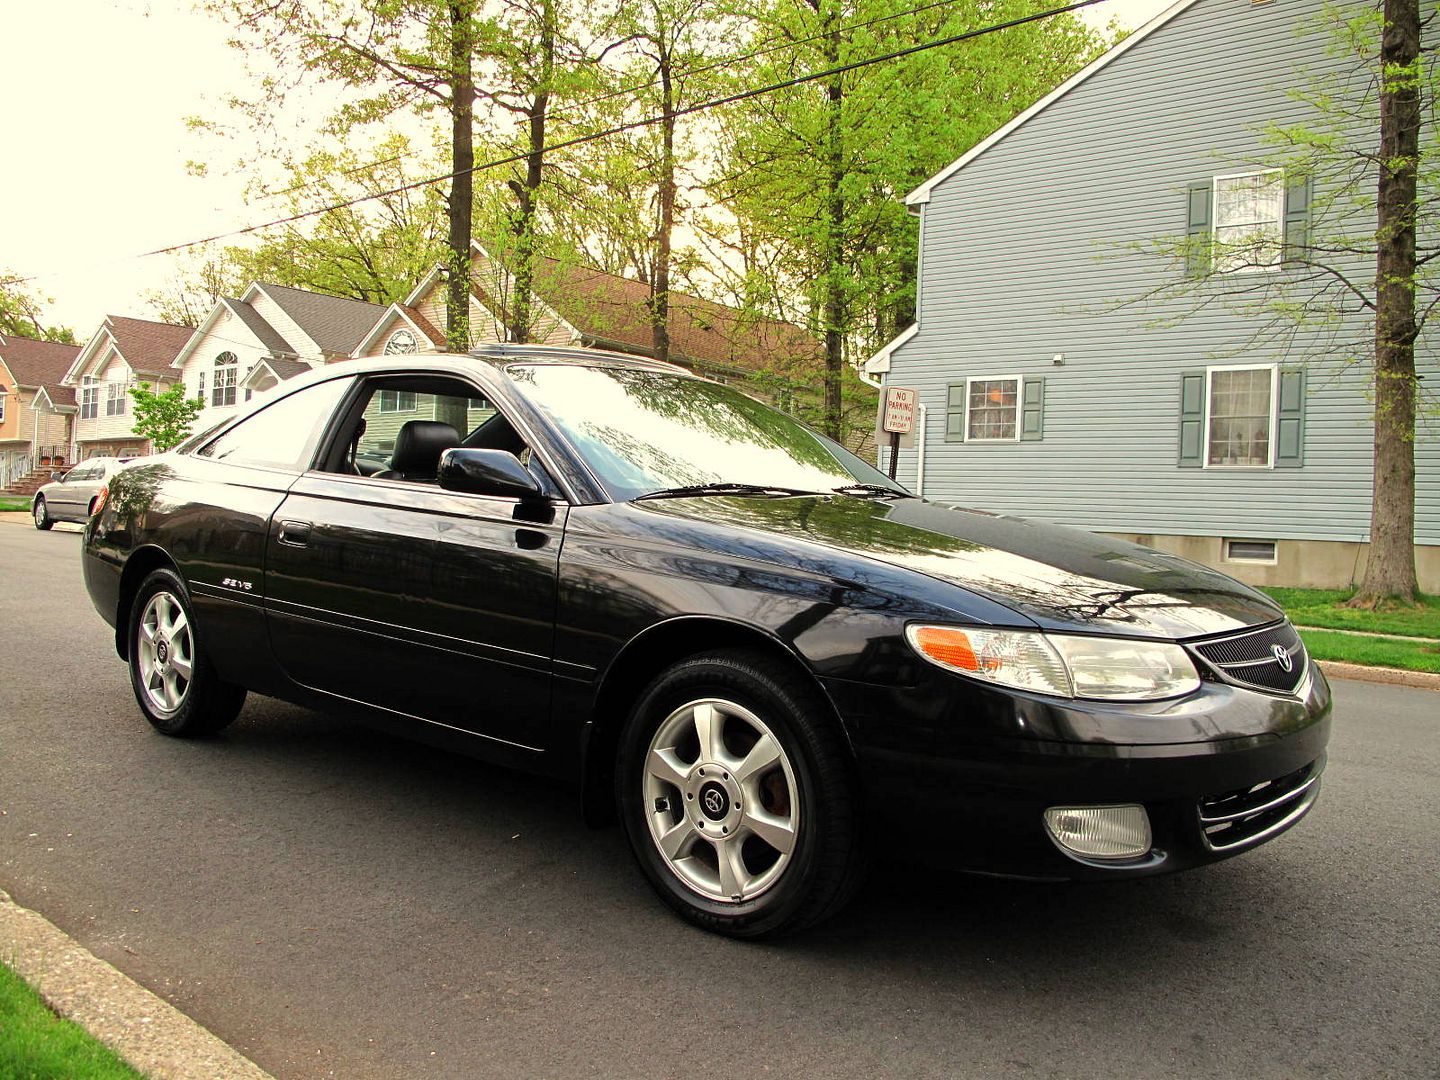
[[1420, 680], [148, 1032]]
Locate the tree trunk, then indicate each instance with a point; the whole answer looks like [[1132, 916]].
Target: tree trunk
[[832, 271], [660, 286], [1390, 568], [462, 184], [523, 262]]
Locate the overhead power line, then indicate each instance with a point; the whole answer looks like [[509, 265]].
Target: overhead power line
[[767, 47], [633, 125]]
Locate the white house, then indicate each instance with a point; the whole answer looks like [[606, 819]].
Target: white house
[[268, 334], [123, 353]]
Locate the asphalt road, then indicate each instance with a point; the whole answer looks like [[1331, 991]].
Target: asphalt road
[[335, 902]]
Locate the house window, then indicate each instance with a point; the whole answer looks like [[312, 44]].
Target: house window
[[992, 409], [115, 399], [89, 398], [1262, 552], [397, 401], [223, 392], [200, 393], [402, 341], [3, 396], [1239, 416], [1249, 220]]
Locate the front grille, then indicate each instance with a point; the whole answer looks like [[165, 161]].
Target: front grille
[[1251, 658], [1245, 817]]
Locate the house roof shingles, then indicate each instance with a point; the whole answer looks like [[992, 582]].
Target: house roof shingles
[[334, 323], [268, 335], [147, 346], [614, 310], [285, 369], [424, 325], [60, 396], [38, 363]]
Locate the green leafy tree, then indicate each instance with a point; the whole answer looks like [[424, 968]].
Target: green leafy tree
[[626, 193], [374, 250], [396, 56], [22, 314], [165, 418], [812, 174]]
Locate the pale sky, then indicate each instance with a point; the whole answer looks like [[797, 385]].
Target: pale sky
[[96, 95]]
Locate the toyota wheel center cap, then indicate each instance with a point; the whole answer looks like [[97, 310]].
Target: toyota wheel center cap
[[714, 801]]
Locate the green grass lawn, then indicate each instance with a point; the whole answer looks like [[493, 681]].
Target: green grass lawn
[[14, 502], [35, 1044], [1321, 607], [1379, 652]]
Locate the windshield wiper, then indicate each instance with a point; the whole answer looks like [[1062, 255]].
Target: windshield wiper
[[694, 490], [870, 491]]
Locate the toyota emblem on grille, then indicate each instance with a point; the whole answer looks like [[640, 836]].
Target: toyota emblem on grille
[[1282, 657]]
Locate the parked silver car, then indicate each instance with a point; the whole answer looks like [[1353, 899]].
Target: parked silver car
[[72, 497]]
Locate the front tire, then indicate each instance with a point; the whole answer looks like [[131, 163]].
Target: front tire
[[738, 796], [174, 681], [41, 512]]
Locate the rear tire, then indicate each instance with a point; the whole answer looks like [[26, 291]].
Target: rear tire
[[738, 796], [174, 681], [42, 516]]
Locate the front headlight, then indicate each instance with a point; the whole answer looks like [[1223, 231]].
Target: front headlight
[[1061, 665]]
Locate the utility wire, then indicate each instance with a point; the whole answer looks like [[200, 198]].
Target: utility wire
[[650, 121], [767, 47], [740, 58]]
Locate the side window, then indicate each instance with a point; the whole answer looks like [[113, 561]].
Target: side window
[[382, 425], [407, 422], [284, 434]]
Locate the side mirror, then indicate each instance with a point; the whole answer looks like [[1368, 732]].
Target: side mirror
[[487, 472]]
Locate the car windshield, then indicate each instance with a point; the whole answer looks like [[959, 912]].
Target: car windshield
[[643, 431]]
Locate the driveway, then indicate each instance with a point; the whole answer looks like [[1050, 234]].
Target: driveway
[[335, 902]]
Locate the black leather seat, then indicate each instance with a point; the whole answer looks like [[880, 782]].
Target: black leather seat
[[418, 447]]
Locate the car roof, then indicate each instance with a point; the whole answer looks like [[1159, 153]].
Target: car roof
[[495, 356]]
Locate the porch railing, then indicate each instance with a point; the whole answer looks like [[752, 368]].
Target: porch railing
[[14, 468]]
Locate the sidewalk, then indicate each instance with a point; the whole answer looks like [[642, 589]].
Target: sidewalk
[[20, 517], [151, 1035]]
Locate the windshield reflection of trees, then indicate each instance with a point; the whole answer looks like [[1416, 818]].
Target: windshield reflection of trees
[[632, 451], [133, 491]]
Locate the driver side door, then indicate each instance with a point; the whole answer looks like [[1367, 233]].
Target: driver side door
[[429, 604]]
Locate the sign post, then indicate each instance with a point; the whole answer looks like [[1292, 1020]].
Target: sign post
[[897, 419]]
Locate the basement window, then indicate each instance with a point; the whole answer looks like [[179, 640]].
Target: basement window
[[1262, 552]]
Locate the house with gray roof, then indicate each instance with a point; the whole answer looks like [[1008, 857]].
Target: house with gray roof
[[270, 333], [1087, 348]]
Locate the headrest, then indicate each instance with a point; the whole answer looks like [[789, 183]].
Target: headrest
[[419, 445]]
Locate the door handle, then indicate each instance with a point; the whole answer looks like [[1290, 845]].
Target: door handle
[[294, 533]]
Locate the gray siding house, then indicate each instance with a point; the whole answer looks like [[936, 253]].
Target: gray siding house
[[1045, 396]]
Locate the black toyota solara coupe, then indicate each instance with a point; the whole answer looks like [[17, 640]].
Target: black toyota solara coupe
[[766, 658]]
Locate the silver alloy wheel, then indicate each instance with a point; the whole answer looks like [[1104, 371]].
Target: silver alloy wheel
[[39, 513], [721, 800], [165, 648]]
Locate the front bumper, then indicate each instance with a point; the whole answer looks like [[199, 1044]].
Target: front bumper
[[961, 775]]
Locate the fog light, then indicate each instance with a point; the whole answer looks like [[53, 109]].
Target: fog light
[[1100, 832]]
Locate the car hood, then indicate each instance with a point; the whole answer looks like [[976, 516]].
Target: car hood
[[1060, 578]]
